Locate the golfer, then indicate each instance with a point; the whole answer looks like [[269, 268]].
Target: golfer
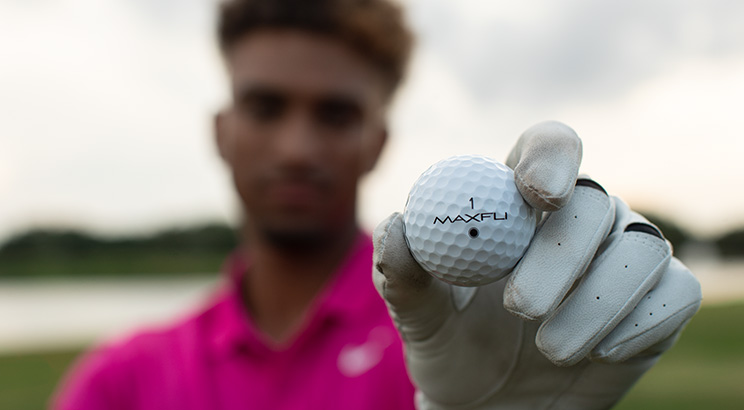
[[317, 314]]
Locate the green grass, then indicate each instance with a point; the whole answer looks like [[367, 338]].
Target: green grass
[[705, 370], [27, 381]]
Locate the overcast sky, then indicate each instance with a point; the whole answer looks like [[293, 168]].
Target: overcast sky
[[106, 105]]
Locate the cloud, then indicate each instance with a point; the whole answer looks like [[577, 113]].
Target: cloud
[[105, 105], [106, 115], [550, 53]]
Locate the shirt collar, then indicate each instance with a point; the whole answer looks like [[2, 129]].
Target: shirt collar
[[346, 296]]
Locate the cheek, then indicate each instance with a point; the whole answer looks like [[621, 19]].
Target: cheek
[[244, 184], [247, 147], [243, 139], [350, 173], [350, 163], [244, 164]]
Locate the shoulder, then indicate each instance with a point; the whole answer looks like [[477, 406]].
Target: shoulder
[[110, 375]]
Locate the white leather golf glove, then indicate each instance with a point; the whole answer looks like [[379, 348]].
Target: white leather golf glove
[[593, 303]]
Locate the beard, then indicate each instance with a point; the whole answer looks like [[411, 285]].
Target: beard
[[296, 241]]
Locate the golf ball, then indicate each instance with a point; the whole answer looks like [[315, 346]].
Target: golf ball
[[465, 221]]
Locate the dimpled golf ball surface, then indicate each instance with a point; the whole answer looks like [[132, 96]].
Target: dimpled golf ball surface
[[465, 221]]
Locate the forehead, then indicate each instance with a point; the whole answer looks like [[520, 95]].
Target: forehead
[[302, 64]]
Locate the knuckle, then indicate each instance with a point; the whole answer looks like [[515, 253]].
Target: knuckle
[[644, 228], [590, 183]]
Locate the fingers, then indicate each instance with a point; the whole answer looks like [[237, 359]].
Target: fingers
[[560, 252], [654, 324], [418, 303], [628, 265], [546, 162]]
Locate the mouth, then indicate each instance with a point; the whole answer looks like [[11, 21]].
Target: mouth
[[295, 194]]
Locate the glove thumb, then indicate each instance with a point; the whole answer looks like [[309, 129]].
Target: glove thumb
[[418, 303], [546, 163]]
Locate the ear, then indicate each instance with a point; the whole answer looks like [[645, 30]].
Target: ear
[[221, 136], [374, 149]]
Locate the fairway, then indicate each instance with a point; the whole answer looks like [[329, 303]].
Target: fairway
[[705, 370]]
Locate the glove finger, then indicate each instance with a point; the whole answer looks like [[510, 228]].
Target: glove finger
[[418, 303], [653, 326], [546, 162], [560, 252], [629, 264]]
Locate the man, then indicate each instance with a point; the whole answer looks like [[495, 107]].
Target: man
[[300, 325]]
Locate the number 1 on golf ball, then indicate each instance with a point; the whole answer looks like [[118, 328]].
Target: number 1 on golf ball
[[465, 221]]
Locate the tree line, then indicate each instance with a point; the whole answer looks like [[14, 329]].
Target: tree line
[[199, 249], [50, 252]]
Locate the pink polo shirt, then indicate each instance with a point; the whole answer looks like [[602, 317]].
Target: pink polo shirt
[[347, 356]]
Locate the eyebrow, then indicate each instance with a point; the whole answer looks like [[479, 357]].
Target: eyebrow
[[255, 91], [252, 91]]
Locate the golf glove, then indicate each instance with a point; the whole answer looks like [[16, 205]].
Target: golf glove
[[593, 303]]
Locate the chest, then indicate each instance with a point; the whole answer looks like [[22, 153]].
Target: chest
[[362, 370]]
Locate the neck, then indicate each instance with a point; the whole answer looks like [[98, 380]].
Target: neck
[[283, 282]]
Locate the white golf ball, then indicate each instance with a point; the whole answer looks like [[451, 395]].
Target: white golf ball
[[465, 221]]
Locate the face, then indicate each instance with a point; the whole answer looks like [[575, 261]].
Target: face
[[306, 123]]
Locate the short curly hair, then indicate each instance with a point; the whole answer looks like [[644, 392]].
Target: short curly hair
[[374, 28]]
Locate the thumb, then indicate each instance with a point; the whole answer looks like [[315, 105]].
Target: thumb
[[546, 163], [418, 303]]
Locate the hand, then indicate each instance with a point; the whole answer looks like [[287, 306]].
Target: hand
[[591, 306]]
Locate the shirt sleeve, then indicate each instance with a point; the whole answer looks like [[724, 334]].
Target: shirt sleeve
[[95, 382]]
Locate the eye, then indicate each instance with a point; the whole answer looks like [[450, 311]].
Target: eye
[[338, 112], [263, 106]]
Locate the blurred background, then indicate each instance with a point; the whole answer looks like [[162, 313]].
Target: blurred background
[[115, 212]]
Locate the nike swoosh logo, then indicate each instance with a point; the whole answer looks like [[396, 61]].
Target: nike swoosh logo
[[356, 359]]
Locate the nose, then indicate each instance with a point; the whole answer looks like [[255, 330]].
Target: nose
[[297, 142]]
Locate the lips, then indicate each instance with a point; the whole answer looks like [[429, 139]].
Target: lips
[[295, 194]]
